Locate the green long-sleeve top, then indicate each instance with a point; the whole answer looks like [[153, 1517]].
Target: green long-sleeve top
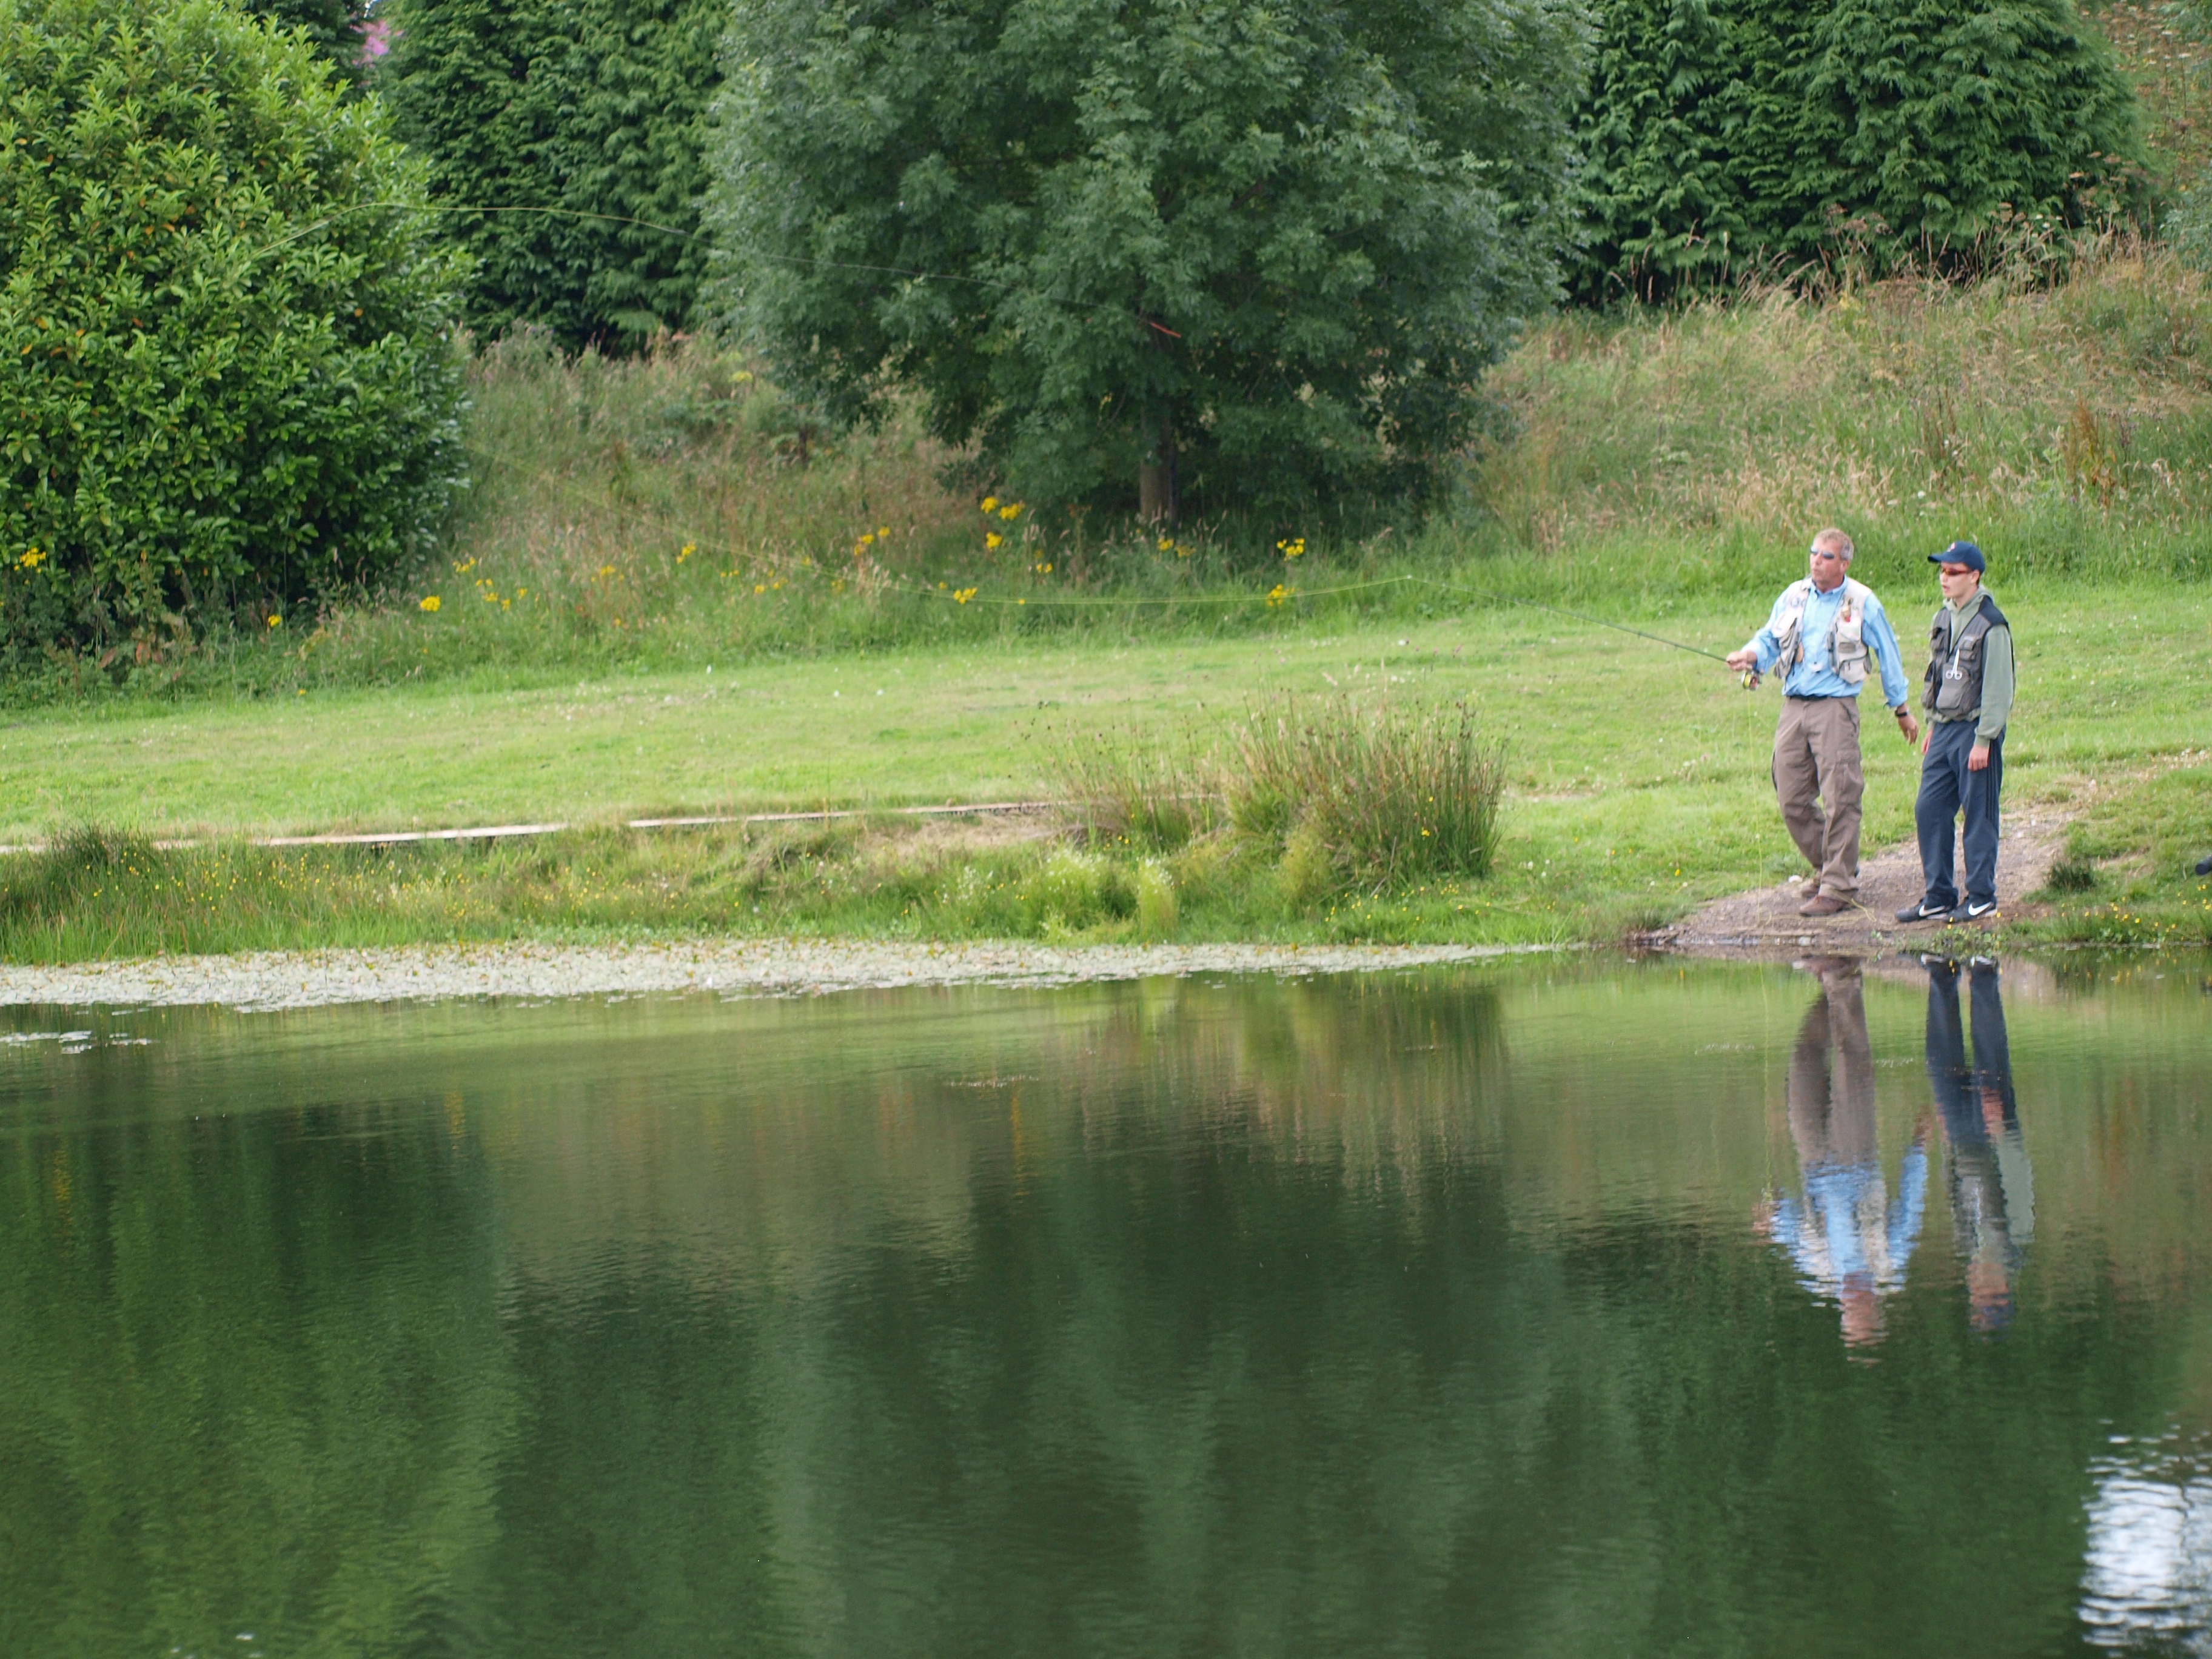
[[1996, 671]]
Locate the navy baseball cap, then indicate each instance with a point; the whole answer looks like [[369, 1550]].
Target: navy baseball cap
[[1964, 553]]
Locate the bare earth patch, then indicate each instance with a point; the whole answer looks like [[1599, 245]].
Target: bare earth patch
[[1764, 923], [731, 968]]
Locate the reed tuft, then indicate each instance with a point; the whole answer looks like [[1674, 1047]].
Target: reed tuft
[[1369, 797]]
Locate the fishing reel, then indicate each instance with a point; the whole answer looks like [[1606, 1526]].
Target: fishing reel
[[1750, 679]]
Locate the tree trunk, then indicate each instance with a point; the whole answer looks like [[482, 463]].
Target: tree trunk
[[1155, 476]]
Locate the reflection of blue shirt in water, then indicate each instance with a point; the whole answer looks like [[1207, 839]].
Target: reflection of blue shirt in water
[[1847, 1229]]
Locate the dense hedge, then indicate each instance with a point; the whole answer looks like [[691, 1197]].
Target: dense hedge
[[1721, 135], [227, 370], [580, 118]]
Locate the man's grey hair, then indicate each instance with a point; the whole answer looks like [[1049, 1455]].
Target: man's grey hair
[[1834, 541]]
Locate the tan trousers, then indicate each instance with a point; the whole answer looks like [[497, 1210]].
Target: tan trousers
[[1816, 760], [1831, 1094]]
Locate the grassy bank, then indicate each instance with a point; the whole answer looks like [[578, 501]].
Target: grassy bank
[[1637, 787], [2129, 877]]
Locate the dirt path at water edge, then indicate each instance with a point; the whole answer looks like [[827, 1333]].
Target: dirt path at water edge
[[1763, 924], [313, 979]]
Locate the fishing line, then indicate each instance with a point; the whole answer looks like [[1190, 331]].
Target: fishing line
[[1561, 610]]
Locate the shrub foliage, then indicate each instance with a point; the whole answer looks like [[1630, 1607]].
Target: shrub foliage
[[1725, 135], [334, 27], [225, 370], [1256, 256], [582, 122]]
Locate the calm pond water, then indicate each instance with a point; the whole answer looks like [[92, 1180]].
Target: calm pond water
[[1580, 1308]]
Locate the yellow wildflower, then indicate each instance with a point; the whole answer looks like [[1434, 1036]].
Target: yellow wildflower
[[430, 603], [276, 622], [962, 595], [990, 503], [32, 559], [1010, 511], [993, 539], [686, 551]]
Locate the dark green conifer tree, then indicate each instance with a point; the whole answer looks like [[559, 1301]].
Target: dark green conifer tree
[[1721, 135], [572, 132]]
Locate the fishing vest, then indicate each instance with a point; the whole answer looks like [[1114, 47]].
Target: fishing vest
[[1952, 687], [1847, 641]]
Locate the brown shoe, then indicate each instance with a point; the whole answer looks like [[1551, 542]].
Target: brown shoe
[[1822, 904]]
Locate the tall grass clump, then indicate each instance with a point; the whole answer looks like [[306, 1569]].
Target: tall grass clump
[[83, 865], [1149, 796], [1368, 797]]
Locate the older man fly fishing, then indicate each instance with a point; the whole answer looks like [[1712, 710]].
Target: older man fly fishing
[[1820, 632]]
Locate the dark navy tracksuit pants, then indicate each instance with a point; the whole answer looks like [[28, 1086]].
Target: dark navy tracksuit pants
[[1947, 788]]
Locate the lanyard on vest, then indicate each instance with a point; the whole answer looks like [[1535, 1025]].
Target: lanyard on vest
[[1959, 627]]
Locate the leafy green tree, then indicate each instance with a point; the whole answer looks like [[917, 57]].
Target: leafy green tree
[[1724, 134], [1256, 255], [227, 368], [572, 135]]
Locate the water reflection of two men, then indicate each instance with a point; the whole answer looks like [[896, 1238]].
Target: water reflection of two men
[[1851, 1241], [1992, 1189]]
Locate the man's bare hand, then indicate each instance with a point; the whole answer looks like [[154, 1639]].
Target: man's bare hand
[[1740, 660], [1909, 726], [1977, 760]]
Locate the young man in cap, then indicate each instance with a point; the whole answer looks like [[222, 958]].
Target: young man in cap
[[1968, 696], [1821, 632]]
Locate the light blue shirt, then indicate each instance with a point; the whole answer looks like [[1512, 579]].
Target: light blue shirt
[[1847, 1229], [1814, 676]]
